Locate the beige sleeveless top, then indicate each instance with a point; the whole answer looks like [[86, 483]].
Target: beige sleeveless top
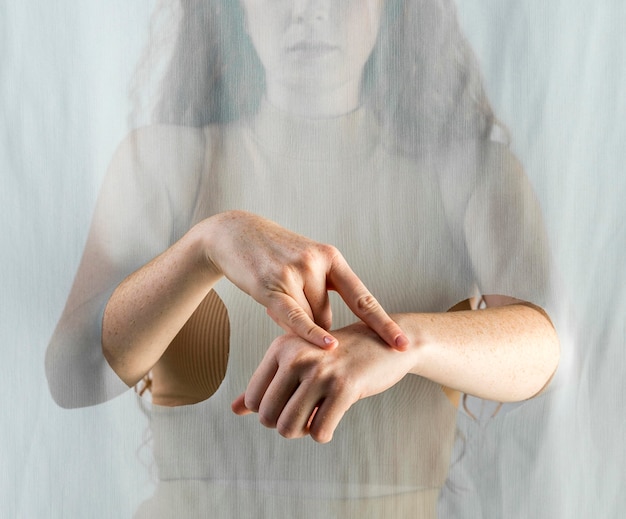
[[334, 181]]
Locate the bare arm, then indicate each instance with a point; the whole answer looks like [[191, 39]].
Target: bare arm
[[148, 309], [506, 354], [140, 243], [287, 273], [134, 221]]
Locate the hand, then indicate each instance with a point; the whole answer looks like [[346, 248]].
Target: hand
[[300, 389], [290, 275]]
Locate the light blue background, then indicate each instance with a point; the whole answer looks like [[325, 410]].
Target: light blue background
[[555, 72]]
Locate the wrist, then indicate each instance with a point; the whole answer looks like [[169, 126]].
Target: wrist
[[415, 327], [201, 240]]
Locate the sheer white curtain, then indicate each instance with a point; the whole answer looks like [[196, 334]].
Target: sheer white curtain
[[64, 75], [555, 75]]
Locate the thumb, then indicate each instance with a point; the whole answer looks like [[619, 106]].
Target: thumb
[[239, 407]]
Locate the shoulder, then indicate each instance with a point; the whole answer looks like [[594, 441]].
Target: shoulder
[[479, 170], [153, 176], [162, 149], [475, 162], [160, 158], [491, 181]]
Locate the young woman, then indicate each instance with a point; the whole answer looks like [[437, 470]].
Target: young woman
[[309, 142]]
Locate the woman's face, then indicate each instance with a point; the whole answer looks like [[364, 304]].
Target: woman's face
[[313, 43]]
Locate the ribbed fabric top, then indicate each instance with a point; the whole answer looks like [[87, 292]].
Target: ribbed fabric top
[[334, 181], [194, 364], [384, 214]]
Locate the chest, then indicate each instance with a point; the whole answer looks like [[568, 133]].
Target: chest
[[383, 212]]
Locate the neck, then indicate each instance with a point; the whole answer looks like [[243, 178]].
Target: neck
[[289, 136], [312, 101]]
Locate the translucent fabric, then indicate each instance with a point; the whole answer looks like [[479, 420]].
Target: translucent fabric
[[448, 151]]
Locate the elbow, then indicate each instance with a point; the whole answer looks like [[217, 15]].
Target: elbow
[[117, 363], [536, 365], [80, 378], [550, 358], [553, 366], [62, 389], [77, 372]]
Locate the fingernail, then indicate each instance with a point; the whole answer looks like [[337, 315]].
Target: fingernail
[[328, 340], [402, 341]]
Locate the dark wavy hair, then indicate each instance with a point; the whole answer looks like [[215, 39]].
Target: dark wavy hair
[[422, 80]]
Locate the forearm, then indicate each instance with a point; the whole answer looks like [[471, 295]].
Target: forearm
[[505, 354], [150, 306]]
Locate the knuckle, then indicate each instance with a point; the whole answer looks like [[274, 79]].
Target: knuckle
[[286, 430], [330, 251], [297, 319], [251, 403], [279, 343], [321, 434], [367, 303], [296, 315], [306, 258], [267, 420]]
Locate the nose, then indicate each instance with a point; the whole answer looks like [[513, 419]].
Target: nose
[[310, 10]]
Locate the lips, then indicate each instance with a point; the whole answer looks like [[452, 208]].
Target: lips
[[312, 48]]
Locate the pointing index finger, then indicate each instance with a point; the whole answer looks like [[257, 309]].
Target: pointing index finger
[[364, 304], [293, 318]]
